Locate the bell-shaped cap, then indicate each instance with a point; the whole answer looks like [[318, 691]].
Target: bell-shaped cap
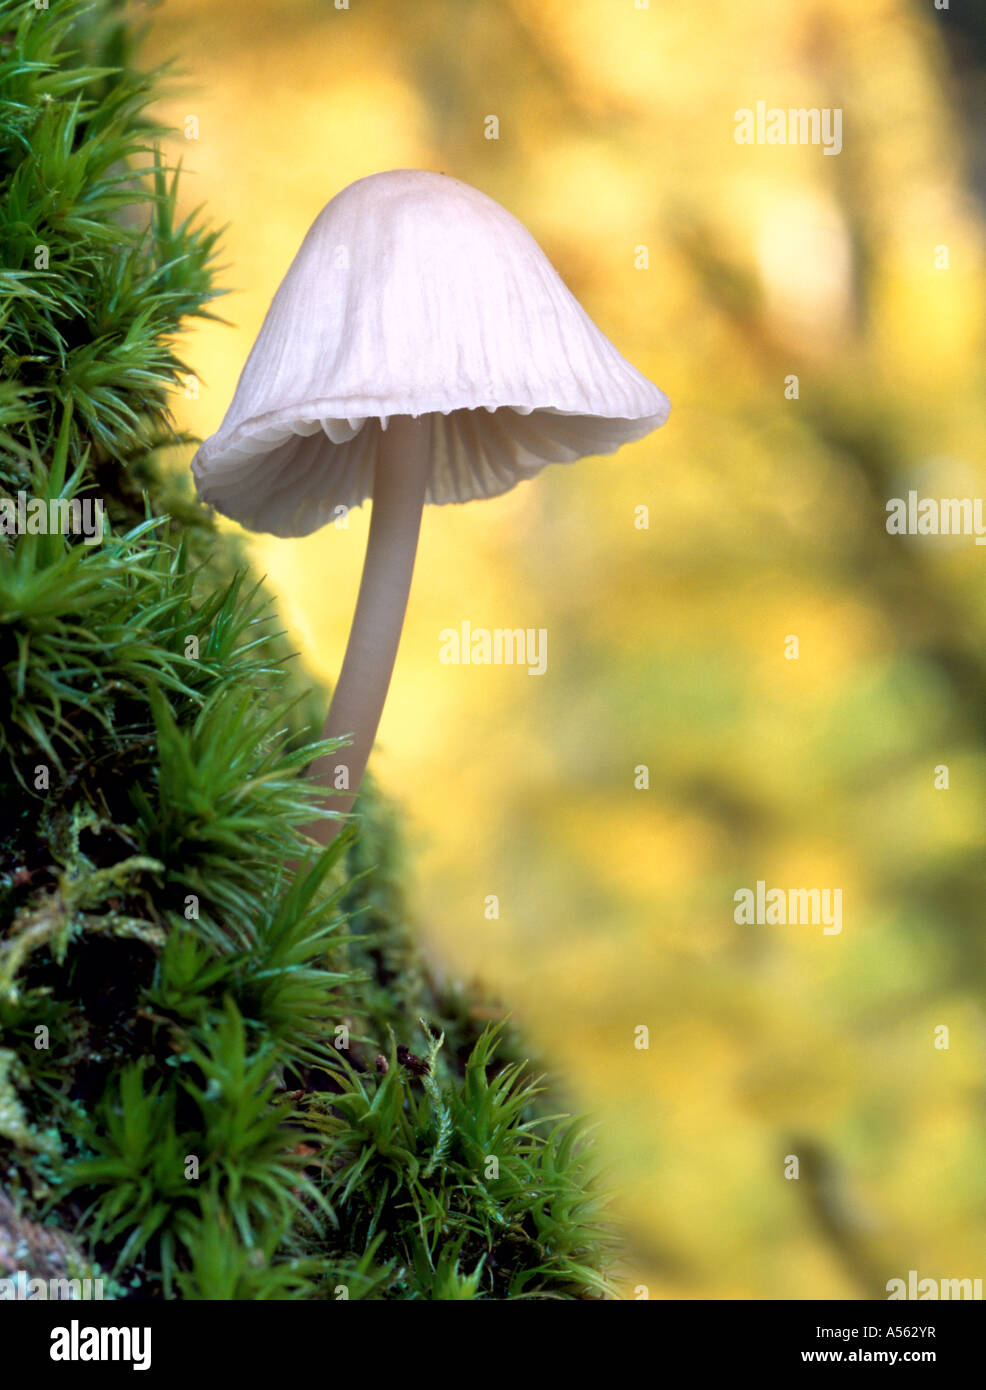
[[413, 294]]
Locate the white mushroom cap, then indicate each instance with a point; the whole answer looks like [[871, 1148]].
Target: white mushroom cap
[[413, 294]]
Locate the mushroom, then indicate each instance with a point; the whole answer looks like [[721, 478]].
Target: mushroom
[[421, 348]]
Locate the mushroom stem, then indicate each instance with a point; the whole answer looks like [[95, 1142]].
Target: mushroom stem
[[399, 484]]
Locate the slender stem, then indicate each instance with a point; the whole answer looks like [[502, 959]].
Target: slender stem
[[400, 480]]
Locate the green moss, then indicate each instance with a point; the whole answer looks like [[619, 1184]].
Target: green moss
[[206, 1066]]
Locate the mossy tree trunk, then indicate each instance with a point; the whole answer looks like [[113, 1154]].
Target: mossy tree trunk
[[228, 1080]]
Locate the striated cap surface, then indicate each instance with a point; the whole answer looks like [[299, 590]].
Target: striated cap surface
[[413, 293]]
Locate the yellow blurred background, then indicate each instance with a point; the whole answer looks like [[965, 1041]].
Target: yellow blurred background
[[720, 270]]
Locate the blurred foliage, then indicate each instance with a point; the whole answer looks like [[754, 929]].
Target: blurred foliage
[[667, 645]]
